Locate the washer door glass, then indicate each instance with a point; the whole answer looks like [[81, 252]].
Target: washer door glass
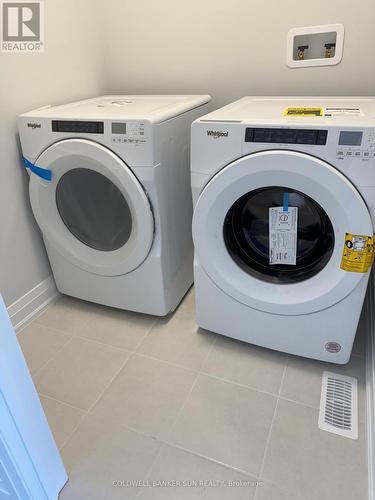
[[93, 209], [246, 235]]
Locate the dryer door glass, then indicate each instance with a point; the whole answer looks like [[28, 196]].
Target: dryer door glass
[[246, 235], [93, 209]]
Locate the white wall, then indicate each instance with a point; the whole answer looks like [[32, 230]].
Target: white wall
[[69, 69], [231, 48]]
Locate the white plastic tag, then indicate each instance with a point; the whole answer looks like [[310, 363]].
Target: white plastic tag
[[283, 235]]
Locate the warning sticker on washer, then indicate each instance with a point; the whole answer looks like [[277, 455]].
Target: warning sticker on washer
[[303, 112], [358, 253], [283, 235]]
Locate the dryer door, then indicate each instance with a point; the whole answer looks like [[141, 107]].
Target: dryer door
[[94, 211], [231, 231]]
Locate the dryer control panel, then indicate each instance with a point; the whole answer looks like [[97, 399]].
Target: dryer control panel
[[128, 132]]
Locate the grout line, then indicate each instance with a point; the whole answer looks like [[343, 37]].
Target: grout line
[[162, 443], [227, 381], [109, 383], [104, 344], [85, 416], [147, 333], [183, 406], [206, 374], [35, 374], [149, 470], [198, 374], [283, 376], [268, 440], [89, 411], [249, 474], [22, 332], [46, 396], [80, 420], [170, 363], [165, 442], [64, 330], [76, 308], [289, 400]]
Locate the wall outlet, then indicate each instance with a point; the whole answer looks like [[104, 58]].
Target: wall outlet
[[315, 46]]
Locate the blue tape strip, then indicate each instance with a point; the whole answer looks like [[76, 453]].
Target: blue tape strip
[[286, 202], [44, 173]]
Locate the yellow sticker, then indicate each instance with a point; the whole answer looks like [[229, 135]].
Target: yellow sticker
[[358, 253], [303, 112]]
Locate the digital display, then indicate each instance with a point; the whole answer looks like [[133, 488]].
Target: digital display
[[349, 138], [118, 128], [287, 136], [77, 127]]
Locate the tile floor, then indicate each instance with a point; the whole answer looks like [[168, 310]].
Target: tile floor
[[132, 398]]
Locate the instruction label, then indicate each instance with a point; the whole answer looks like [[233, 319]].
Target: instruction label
[[358, 253], [343, 112], [303, 112], [283, 235]]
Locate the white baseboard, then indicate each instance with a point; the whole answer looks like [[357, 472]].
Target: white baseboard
[[370, 385], [26, 307]]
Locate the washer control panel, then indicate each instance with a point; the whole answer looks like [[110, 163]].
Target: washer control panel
[[128, 132], [356, 144]]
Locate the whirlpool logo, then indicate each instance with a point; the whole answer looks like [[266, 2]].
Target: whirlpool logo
[[34, 125], [216, 134]]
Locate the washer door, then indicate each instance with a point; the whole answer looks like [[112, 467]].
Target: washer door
[[231, 231], [94, 211]]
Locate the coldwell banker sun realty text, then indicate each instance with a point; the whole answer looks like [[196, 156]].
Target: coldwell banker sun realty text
[[22, 26]]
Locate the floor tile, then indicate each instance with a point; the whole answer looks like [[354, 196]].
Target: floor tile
[[196, 478], [236, 487], [177, 339], [80, 353], [303, 380], [146, 395], [99, 454], [118, 328], [245, 364], [67, 314], [62, 419], [271, 492], [187, 305], [79, 373], [225, 422], [308, 461], [39, 344]]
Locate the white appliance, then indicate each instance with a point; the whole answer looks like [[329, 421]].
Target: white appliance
[[110, 191], [287, 288]]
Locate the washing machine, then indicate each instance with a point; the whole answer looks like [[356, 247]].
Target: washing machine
[[284, 210], [110, 191]]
